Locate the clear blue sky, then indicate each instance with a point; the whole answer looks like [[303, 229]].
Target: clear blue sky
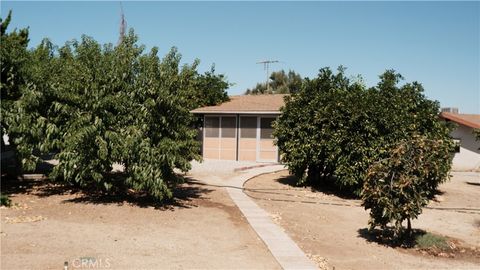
[[435, 43]]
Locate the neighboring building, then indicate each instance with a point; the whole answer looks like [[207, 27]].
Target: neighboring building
[[241, 129], [467, 157]]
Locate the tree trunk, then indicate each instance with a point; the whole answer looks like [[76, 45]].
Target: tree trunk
[[409, 227]]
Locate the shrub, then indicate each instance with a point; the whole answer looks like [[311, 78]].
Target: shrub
[[5, 201], [95, 105], [429, 240], [335, 128], [397, 187]]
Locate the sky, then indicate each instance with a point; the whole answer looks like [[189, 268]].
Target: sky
[[434, 43]]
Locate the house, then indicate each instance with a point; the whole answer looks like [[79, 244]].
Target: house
[[241, 128], [467, 156]]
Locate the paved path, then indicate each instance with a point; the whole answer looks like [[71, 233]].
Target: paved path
[[283, 248]]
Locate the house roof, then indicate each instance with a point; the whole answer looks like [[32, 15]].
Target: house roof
[[246, 104], [469, 120]]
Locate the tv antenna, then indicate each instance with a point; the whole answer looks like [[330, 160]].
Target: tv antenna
[[123, 25], [266, 67]]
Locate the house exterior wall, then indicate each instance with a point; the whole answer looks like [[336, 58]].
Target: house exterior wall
[[247, 149], [228, 148], [252, 140], [220, 137], [267, 150], [468, 159]]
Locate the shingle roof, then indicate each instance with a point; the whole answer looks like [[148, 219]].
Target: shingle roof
[[469, 120], [258, 104]]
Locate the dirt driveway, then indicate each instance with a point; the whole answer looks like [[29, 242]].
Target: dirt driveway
[[332, 230], [203, 229]]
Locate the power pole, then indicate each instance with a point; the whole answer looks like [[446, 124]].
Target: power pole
[[123, 25], [266, 67]]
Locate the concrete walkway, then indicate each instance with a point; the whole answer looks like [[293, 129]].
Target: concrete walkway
[[283, 248]]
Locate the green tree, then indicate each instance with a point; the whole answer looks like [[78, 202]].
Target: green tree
[[94, 106], [279, 83], [334, 128], [398, 186], [15, 84], [29, 113], [13, 59], [210, 89]]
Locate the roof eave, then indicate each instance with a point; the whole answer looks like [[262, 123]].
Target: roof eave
[[459, 120]]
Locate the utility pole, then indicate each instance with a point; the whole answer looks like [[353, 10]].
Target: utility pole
[[123, 25], [266, 67]]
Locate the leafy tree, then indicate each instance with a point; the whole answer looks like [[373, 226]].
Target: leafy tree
[[397, 187], [13, 57], [299, 129], [94, 106], [280, 83], [14, 82], [210, 89], [334, 129], [30, 119]]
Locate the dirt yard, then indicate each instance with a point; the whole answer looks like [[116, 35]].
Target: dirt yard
[[203, 229], [332, 230]]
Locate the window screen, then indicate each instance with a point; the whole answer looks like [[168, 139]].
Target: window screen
[[211, 127], [228, 127], [248, 127], [266, 128]]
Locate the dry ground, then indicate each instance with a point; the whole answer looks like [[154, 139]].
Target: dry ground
[[202, 229], [332, 230]]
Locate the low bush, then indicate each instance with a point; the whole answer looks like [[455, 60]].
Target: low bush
[[5, 201], [429, 240], [335, 128], [397, 187]]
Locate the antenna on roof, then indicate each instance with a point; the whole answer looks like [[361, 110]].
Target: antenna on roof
[[266, 67], [123, 25]]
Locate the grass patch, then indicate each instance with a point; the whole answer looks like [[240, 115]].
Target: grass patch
[[5, 201], [430, 240]]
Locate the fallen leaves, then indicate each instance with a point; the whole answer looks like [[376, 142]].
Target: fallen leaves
[[276, 217], [24, 219], [320, 261]]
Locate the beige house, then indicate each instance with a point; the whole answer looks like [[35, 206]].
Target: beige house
[[241, 129], [467, 156]]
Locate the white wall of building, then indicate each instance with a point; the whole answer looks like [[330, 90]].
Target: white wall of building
[[468, 159], [5, 139]]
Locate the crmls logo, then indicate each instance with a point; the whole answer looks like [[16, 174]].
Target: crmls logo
[[88, 263]]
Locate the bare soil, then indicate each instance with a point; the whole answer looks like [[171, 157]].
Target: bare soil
[[49, 225], [332, 230]]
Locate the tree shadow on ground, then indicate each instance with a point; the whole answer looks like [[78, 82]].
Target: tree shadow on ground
[[183, 197], [324, 187], [386, 238], [40, 186], [24, 182], [473, 183], [476, 223]]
